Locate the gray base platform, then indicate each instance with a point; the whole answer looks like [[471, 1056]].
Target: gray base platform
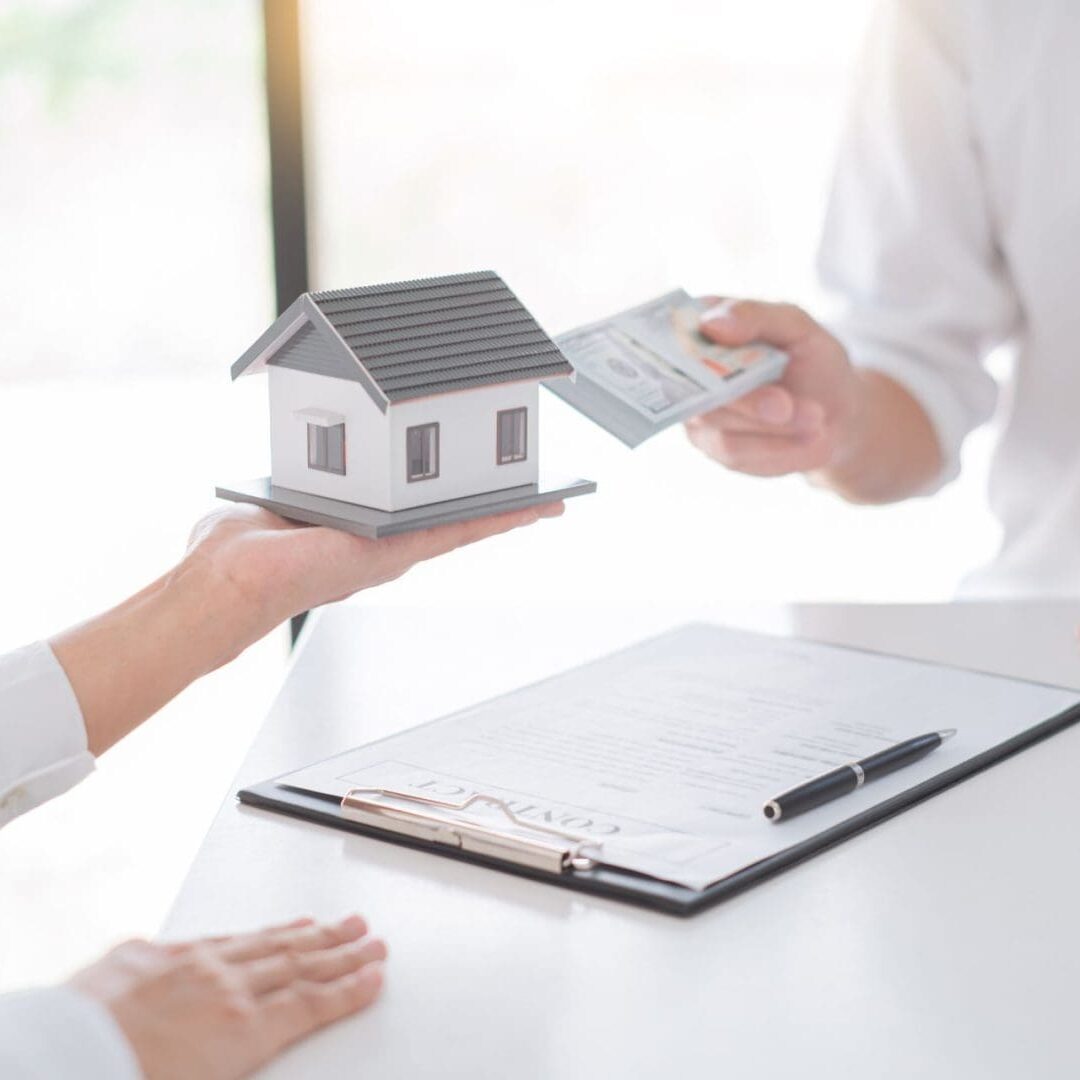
[[367, 521]]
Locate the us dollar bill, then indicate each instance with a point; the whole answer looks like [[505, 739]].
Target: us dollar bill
[[642, 370]]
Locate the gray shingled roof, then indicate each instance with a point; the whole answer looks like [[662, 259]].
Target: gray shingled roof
[[417, 338]]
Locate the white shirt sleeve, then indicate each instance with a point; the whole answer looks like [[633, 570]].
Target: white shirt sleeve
[[58, 1034], [909, 247], [54, 1033], [43, 749]]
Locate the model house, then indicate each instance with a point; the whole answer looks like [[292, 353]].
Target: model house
[[401, 395]]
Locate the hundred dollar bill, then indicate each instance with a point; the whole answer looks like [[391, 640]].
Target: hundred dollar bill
[[645, 369]]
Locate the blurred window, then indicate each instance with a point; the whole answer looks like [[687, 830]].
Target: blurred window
[[133, 203]]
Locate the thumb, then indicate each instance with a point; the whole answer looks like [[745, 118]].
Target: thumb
[[737, 322], [721, 323]]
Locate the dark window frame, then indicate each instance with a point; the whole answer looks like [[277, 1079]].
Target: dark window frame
[[436, 452], [513, 459]]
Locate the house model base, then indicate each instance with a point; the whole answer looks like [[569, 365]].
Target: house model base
[[372, 523]]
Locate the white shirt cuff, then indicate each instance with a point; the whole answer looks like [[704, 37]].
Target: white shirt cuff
[[43, 747], [57, 1034]]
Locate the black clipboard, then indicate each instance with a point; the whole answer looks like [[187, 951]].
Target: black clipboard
[[641, 889]]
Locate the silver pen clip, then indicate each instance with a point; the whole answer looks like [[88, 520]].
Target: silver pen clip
[[555, 851]]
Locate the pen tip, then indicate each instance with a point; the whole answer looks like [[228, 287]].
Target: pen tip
[[948, 733]]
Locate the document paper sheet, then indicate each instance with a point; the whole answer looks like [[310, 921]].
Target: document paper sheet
[[663, 754]]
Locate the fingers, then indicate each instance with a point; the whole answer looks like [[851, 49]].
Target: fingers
[[321, 965], [796, 424], [769, 432], [447, 537], [804, 418], [738, 322], [769, 410], [404, 550], [292, 979], [306, 937], [303, 1007], [762, 455], [430, 543], [770, 404], [177, 947]]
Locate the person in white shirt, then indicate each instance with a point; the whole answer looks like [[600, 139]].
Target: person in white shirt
[[953, 228], [219, 1008]]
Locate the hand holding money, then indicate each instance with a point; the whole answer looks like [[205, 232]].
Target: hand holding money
[[642, 370], [854, 430], [803, 422], [762, 388]]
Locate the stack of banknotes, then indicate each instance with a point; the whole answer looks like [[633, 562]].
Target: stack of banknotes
[[644, 369]]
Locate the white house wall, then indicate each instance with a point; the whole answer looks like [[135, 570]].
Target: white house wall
[[467, 449], [367, 476]]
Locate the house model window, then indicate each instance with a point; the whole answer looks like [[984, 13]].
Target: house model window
[[511, 436], [422, 452], [325, 440], [326, 447]]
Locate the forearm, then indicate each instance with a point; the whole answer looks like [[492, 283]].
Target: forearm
[[891, 451], [245, 572], [126, 664]]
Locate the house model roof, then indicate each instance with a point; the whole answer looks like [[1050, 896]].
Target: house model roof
[[411, 339]]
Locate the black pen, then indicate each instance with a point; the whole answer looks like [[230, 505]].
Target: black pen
[[847, 778]]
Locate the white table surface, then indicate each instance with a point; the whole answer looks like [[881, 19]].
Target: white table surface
[[943, 943]]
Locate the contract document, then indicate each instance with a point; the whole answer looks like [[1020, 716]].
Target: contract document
[[662, 755]]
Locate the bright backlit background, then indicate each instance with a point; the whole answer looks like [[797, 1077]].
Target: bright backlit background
[[594, 153]]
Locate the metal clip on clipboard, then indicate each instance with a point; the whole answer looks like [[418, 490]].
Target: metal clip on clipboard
[[555, 851]]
